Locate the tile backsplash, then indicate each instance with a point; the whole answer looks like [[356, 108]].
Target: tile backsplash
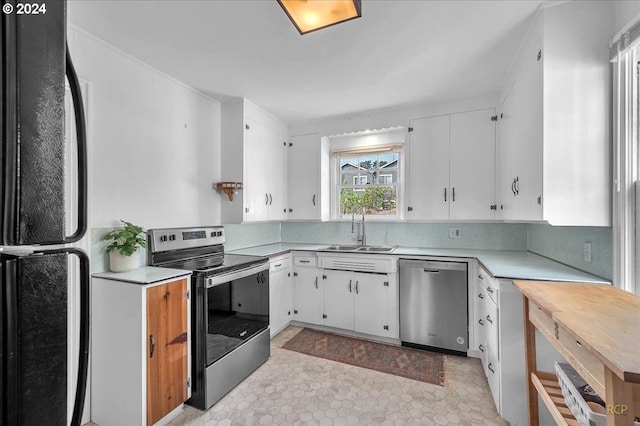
[[565, 244], [489, 236]]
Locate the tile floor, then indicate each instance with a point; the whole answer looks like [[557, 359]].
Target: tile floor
[[296, 389]]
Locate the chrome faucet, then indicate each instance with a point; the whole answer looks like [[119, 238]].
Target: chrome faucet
[[361, 232], [363, 235]]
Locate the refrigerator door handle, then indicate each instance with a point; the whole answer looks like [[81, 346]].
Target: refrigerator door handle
[[83, 355], [81, 139]]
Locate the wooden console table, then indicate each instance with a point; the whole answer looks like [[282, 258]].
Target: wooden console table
[[596, 328]]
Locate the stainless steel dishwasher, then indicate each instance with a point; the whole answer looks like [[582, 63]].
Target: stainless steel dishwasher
[[433, 305]]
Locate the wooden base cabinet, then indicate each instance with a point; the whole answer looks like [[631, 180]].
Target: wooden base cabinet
[[140, 373]]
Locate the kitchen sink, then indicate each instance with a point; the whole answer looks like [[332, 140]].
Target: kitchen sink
[[342, 248], [374, 249], [361, 249]]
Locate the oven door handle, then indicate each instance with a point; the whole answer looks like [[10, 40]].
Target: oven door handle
[[236, 275]]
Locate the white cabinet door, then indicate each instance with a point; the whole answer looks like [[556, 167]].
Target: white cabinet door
[[256, 165], [370, 308], [303, 179], [280, 296], [472, 165], [429, 168], [276, 171], [339, 290], [307, 295]]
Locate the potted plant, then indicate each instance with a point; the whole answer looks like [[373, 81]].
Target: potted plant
[[124, 253]]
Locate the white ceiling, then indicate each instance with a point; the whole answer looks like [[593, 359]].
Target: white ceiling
[[399, 53]]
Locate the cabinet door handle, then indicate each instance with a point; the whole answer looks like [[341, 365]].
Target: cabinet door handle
[[490, 368], [316, 282], [490, 290], [481, 296], [489, 319], [304, 261], [313, 200], [445, 195], [266, 199], [349, 286], [356, 287], [481, 348], [517, 185], [278, 265], [480, 322], [453, 194], [480, 277], [152, 345], [513, 187], [270, 199]]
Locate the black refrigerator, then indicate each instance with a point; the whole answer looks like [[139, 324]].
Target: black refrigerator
[[35, 250]]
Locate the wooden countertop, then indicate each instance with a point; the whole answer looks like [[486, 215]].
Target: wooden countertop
[[603, 318]]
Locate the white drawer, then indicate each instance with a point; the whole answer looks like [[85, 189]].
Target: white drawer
[[309, 261], [279, 264]]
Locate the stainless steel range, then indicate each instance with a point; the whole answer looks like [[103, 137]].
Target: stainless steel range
[[230, 307]]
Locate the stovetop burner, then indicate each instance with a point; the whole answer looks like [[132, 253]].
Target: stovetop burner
[[218, 264]]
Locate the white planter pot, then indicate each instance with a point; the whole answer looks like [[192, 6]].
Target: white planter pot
[[120, 263]]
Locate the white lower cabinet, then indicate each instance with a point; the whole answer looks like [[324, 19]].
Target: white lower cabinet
[[307, 296], [280, 293], [363, 302]]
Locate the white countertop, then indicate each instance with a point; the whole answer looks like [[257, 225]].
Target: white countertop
[[144, 275], [499, 263]]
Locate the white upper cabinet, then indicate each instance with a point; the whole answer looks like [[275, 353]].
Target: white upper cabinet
[[554, 127], [451, 167], [304, 177], [472, 165], [254, 152]]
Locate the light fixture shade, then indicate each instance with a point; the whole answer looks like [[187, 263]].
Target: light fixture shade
[[312, 15]]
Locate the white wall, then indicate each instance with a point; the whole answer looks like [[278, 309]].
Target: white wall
[[154, 143], [624, 13]]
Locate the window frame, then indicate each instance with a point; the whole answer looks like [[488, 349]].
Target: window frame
[[336, 186], [626, 191]]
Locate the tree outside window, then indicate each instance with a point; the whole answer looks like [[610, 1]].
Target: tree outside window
[[369, 181]]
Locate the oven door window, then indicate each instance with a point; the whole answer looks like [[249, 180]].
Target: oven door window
[[236, 311]]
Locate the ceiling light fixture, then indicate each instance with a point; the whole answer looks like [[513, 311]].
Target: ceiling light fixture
[[312, 15]]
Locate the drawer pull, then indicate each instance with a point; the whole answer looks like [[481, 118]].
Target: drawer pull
[[278, 265], [489, 319], [481, 348], [490, 368], [490, 290], [481, 296], [304, 261], [480, 277], [480, 321]]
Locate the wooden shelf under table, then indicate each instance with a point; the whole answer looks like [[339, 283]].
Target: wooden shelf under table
[[549, 391]]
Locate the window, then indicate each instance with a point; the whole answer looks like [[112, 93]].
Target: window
[[368, 179], [626, 194]]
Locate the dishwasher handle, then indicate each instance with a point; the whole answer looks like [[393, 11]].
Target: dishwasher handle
[[431, 271], [432, 266]]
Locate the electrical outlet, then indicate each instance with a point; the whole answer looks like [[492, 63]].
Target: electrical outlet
[[454, 233], [587, 252]]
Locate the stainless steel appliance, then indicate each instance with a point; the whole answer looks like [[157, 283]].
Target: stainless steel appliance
[[35, 287], [230, 307], [433, 305]]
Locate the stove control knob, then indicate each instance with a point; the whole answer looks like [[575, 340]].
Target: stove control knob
[[172, 237], [163, 238]]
